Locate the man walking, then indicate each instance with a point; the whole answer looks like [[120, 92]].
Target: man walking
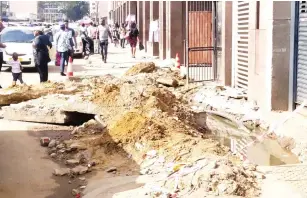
[[72, 40], [104, 33], [41, 54], [91, 32], [1, 48], [63, 46]]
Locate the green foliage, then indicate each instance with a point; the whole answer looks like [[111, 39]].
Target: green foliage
[[75, 10]]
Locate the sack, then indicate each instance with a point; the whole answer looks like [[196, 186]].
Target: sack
[[141, 46], [57, 59]]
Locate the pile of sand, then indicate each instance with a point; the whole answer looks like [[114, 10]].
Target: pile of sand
[[147, 67]]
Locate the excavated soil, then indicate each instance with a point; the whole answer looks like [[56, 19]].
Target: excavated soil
[[142, 115]]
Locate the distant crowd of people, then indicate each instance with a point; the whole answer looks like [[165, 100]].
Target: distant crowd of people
[[119, 35]]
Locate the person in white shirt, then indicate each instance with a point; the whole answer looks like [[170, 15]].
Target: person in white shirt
[[104, 33], [16, 69]]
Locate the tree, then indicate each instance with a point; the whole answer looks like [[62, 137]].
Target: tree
[[75, 10]]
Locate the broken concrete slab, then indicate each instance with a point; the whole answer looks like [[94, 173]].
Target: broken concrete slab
[[57, 108], [24, 93]]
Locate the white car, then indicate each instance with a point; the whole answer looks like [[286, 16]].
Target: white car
[[19, 40]]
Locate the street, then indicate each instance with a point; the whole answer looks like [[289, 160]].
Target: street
[[26, 168], [119, 61]]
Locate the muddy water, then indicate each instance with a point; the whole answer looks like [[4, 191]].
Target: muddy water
[[265, 153]]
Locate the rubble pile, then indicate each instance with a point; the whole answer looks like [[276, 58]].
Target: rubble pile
[[141, 121], [209, 177]]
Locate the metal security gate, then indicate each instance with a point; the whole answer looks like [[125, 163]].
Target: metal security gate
[[301, 72], [201, 50], [241, 12]]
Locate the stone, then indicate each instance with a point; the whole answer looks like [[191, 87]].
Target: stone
[[60, 146], [79, 170], [168, 82], [53, 155], [52, 144], [44, 141], [74, 131], [82, 178], [74, 192], [112, 169], [72, 162], [61, 171], [77, 146], [82, 187]]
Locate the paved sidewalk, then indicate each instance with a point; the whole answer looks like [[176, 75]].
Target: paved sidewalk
[[285, 181]]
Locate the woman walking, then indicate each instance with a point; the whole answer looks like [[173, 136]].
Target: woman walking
[[133, 38]]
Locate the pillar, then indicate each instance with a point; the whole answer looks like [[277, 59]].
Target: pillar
[[124, 11], [174, 29], [225, 71], [139, 18], [162, 26], [133, 8], [153, 47], [146, 19]]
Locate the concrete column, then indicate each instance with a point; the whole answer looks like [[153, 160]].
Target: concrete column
[[162, 26], [174, 29], [124, 11], [280, 54], [225, 71], [146, 18], [133, 8], [139, 19], [153, 47]]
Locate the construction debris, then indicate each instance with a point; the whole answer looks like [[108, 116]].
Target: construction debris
[[146, 67], [140, 123]]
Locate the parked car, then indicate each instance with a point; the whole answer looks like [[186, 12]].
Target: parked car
[[19, 40], [76, 28]]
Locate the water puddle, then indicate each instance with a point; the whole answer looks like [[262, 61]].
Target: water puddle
[[265, 153]]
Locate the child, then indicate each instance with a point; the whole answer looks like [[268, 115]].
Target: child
[[16, 69]]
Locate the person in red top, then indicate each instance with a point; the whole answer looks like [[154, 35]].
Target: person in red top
[[133, 38]]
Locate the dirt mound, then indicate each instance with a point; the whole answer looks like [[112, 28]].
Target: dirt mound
[[148, 67]]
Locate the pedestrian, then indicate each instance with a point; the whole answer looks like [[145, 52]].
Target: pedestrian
[[41, 54], [133, 38], [83, 38], [91, 32], [122, 35], [63, 46], [72, 40], [104, 33], [16, 69], [1, 48], [115, 34]]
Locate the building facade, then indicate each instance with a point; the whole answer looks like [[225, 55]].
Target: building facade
[[256, 46], [50, 11], [98, 10], [18, 11]]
